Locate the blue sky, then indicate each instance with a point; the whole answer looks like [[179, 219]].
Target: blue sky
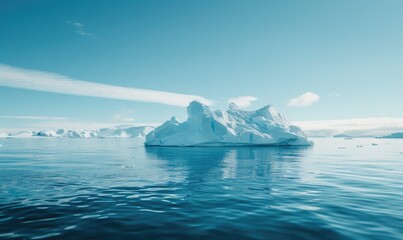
[[349, 53]]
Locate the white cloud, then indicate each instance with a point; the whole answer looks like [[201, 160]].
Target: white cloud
[[49, 82], [80, 28], [122, 118], [304, 100], [354, 127], [242, 101]]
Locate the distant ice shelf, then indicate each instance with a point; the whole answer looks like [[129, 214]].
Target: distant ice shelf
[[394, 135], [342, 136], [126, 131], [234, 127]]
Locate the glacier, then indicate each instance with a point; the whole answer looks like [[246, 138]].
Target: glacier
[[234, 127]]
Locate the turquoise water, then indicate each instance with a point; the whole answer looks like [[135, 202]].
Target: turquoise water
[[117, 189]]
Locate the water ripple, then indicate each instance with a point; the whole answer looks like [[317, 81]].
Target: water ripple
[[78, 190]]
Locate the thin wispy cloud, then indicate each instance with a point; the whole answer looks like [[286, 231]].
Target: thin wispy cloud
[[50, 82], [242, 101], [355, 127], [334, 94], [79, 28], [34, 117], [304, 100]]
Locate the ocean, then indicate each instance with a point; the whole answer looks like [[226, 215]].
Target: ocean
[[118, 189]]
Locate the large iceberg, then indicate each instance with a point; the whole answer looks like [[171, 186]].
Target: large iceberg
[[234, 127]]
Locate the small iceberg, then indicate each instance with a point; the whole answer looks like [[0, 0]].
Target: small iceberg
[[234, 127]]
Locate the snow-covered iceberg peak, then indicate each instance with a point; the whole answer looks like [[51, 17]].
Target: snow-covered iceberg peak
[[234, 127]]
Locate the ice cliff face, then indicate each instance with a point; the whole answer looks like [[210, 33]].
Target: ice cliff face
[[205, 127]]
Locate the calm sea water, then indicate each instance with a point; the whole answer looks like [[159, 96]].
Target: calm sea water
[[117, 189]]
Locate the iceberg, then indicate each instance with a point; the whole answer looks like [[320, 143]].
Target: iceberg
[[64, 133], [47, 133], [234, 127]]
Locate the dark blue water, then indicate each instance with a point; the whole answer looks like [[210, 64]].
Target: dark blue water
[[117, 189]]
